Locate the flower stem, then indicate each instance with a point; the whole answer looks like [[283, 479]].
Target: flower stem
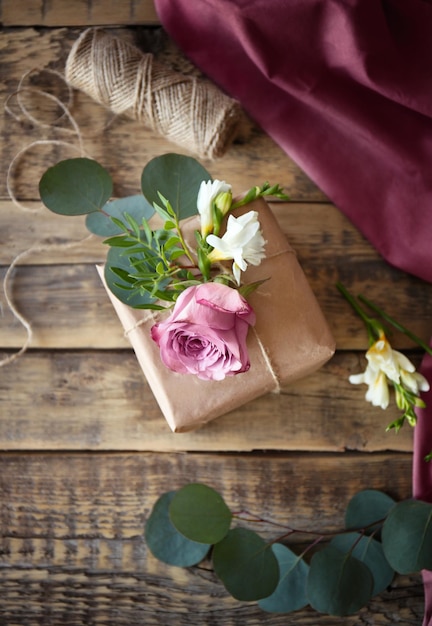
[[182, 241], [373, 327], [396, 325]]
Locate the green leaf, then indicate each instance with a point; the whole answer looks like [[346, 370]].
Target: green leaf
[[161, 212], [370, 552], [246, 565], [100, 223], [246, 290], [290, 594], [200, 513], [123, 274], [171, 242], [367, 507], [160, 269], [166, 543], [338, 584], [120, 241], [204, 263], [177, 178], [120, 288], [407, 536], [121, 226], [75, 187], [134, 226], [176, 254], [147, 230]]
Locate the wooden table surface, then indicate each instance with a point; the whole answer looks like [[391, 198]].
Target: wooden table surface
[[85, 451]]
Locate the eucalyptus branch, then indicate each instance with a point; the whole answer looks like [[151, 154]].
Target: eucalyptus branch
[[246, 516], [339, 578]]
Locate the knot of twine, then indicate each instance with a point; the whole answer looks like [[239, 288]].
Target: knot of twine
[[187, 111]]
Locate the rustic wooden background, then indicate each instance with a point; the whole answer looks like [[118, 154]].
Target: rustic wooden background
[[85, 451]]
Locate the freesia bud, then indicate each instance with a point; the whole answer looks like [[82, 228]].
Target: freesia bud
[[223, 202]]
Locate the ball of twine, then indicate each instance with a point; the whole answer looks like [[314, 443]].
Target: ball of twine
[[184, 109]]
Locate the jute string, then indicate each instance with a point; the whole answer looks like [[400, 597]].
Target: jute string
[[188, 111], [48, 244]]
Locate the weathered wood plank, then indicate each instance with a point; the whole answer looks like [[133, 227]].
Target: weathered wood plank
[[72, 547], [125, 146], [101, 401], [78, 13], [54, 297], [317, 231]]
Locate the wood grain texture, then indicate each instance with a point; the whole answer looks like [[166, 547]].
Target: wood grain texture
[[78, 13], [88, 513], [101, 401]]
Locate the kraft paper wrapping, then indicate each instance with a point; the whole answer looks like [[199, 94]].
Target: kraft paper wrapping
[[290, 340]]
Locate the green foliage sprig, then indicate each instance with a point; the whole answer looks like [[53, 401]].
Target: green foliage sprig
[[337, 573], [145, 266]]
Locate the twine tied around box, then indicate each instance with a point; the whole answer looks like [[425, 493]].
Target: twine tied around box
[[186, 110]]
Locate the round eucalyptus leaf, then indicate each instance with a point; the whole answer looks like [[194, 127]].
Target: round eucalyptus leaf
[[367, 507], [177, 178], [290, 594], [407, 536], [338, 584], [75, 187], [119, 286], [370, 552], [166, 543], [246, 565], [200, 513], [99, 223]]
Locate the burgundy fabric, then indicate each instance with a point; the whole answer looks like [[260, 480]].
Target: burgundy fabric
[[422, 471], [345, 88]]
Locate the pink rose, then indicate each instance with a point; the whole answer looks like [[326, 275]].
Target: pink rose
[[206, 333]]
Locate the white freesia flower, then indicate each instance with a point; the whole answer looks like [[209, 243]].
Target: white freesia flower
[[243, 242], [414, 382], [207, 195], [390, 361], [378, 390], [384, 365]]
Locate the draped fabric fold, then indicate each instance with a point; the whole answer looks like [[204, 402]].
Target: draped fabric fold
[[345, 88]]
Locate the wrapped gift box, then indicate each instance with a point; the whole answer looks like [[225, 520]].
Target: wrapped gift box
[[290, 340]]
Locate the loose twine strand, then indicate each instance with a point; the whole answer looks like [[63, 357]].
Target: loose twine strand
[[46, 245], [188, 111]]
